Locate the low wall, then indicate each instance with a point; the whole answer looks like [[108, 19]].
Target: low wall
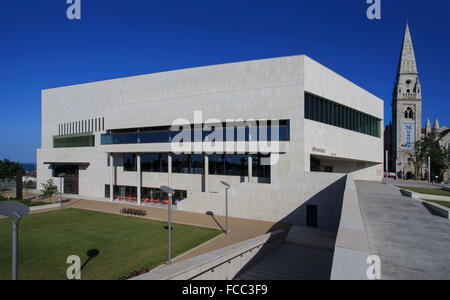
[[221, 264], [410, 194], [352, 247], [439, 209], [44, 206]]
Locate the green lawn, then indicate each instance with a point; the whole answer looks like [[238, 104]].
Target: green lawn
[[125, 244], [420, 190], [443, 203]]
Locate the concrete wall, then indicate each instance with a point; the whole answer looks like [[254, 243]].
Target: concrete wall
[[352, 247], [221, 264], [365, 150]]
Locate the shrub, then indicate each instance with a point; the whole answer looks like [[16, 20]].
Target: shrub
[[49, 189], [133, 211]]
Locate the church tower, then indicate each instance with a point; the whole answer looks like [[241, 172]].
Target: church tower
[[406, 105]]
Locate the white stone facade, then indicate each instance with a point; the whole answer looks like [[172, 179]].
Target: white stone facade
[[271, 89]]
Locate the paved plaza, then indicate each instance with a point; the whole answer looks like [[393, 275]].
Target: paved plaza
[[412, 242]]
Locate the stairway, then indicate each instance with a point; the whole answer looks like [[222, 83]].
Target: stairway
[[295, 259]]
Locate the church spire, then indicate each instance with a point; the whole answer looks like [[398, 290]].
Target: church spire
[[428, 127], [436, 124], [407, 62]]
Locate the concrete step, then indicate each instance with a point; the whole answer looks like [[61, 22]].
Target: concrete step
[[311, 237], [291, 261]]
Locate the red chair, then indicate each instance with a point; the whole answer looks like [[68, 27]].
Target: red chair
[[151, 200], [167, 202], [157, 200], [124, 198], [118, 197], [146, 200]]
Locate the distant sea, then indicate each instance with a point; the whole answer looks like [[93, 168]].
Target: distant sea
[[29, 166]]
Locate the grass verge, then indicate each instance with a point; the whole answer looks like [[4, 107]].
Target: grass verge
[[124, 244], [427, 191]]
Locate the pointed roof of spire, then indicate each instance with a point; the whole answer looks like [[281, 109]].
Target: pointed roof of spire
[[436, 124], [407, 62]]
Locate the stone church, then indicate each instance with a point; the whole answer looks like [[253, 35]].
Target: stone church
[[406, 126]]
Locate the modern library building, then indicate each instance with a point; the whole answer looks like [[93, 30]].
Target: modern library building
[[280, 131]]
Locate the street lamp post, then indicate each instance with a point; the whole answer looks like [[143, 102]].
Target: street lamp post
[[429, 170], [396, 173], [171, 192], [386, 164], [60, 191], [402, 171], [61, 185], [16, 210], [227, 187]]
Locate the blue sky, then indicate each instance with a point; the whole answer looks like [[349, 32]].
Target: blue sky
[[41, 48]]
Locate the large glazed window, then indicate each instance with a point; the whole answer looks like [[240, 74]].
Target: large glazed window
[[228, 164], [148, 194], [154, 162], [129, 162], [258, 169], [162, 134], [332, 113], [188, 163], [77, 140]]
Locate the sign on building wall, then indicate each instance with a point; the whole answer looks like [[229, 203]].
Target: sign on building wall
[[408, 135]]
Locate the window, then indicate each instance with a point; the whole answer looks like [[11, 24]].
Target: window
[[228, 164], [307, 108], [320, 110], [329, 112], [236, 165], [129, 193], [258, 169], [316, 109], [147, 194], [122, 192], [217, 164], [328, 169], [197, 164], [409, 113], [164, 134], [181, 163], [129, 162], [314, 164], [155, 162], [79, 140], [61, 170]]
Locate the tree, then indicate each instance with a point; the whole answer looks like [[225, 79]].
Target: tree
[[417, 157], [49, 188], [9, 168], [428, 146], [27, 184]]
